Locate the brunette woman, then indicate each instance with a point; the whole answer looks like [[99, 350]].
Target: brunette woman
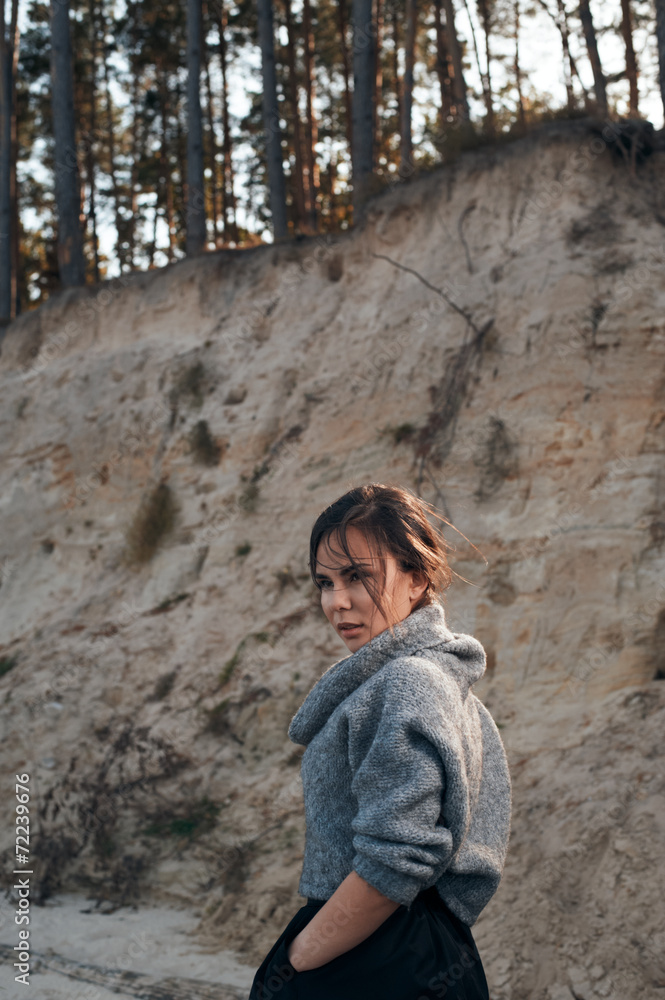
[[405, 778]]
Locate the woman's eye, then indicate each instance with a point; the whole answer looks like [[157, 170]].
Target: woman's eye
[[328, 585]]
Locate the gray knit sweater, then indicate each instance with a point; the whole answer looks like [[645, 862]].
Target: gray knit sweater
[[405, 776]]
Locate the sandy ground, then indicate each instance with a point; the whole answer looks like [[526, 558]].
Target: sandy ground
[[88, 945]]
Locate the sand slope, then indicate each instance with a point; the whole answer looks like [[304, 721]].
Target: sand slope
[[494, 338]]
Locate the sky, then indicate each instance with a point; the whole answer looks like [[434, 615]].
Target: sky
[[541, 59]]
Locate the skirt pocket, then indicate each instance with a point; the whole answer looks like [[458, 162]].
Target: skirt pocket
[[274, 977], [421, 953], [360, 971]]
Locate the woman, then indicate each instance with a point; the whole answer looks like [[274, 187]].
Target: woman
[[406, 784]]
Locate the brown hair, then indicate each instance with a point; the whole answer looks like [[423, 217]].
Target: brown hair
[[393, 520]]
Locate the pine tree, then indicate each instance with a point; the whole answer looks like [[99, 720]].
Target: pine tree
[[362, 149], [631, 59], [594, 58], [660, 40], [271, 124], [111, 124], [196, 218], [228, 194], [343, 139], [301, 219], [486, 13], [517, 69], [311, 132], [346, 66], [6, 110], [37, 271], [559, 17], [405, 166], [67, 183], [459, 83], [15, 224]]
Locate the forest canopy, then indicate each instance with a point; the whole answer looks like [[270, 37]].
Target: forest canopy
[[134, 134]]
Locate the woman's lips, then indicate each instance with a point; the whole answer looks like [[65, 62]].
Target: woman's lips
[[349, 629]]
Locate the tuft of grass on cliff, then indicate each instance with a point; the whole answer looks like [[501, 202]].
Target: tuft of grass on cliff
[[154, 520]]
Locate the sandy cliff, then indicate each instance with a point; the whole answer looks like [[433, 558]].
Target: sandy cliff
[[494, 337]]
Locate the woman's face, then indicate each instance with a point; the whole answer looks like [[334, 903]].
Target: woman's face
[[346, 602]]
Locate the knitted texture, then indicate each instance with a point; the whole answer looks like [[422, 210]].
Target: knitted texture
[[405, 776]]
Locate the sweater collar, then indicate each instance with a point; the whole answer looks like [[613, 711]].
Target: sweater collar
[[424, 629]]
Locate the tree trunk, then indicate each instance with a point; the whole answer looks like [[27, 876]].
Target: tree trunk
[[481, 74], [181, 152], [210, 111], [406, 153], [443, 65], [378, 71], [152, 246], [660, 41], [362, 146], [136, 138], [332, 182], [517, 69], [459, 83], [561, 23], [397, 77], [565, 41], [165, 163], [115, 188], [228, 197], [195, 198], [299, 179], [594, 58], [631, 60], [134, 179], [15, 228], [313, 181], [343, 21], [6, 106], [90, 152], [71, 264], [485, 17], [276, 183]]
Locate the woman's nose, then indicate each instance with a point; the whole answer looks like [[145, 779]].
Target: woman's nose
[[340, 597]]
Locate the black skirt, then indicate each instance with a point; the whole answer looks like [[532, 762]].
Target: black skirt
[[424, 953]]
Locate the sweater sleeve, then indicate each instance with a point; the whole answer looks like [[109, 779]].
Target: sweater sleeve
[[400, 841]]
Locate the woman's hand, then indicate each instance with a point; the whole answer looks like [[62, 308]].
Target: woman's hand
[[293, 947], [353, 912], [297, 951]]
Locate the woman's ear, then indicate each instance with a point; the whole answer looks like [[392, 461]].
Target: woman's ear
[[418, 585]]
